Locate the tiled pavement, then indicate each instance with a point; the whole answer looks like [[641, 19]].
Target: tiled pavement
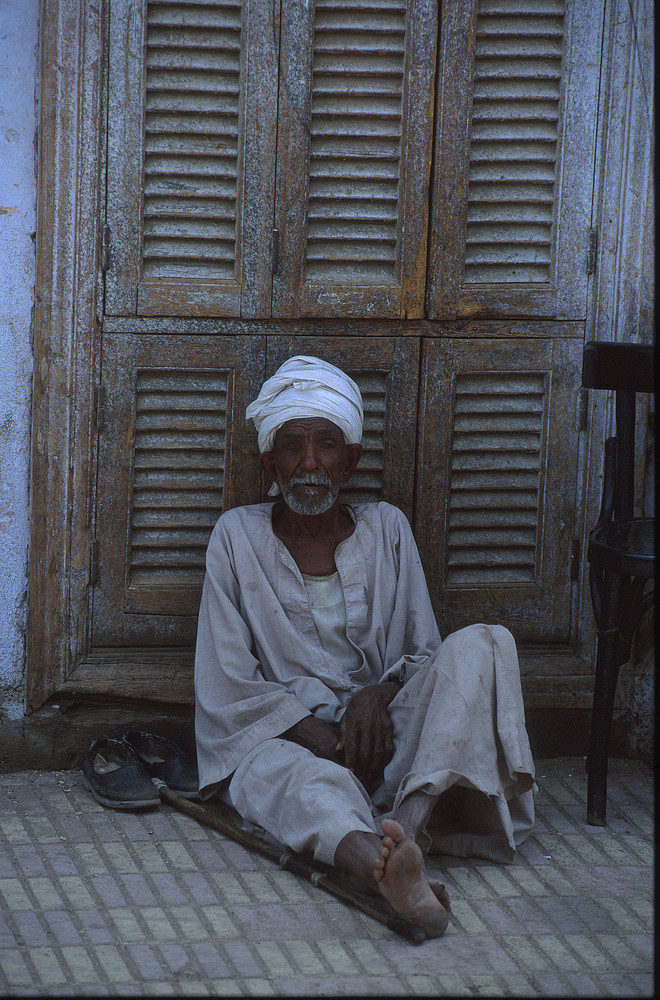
[[95, 902]]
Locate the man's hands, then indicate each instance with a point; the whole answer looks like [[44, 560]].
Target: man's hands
[[366, 734], [316, 735], [364, 739]]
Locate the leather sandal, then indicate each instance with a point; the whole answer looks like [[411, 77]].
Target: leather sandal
[[115, 776], [163, 758]]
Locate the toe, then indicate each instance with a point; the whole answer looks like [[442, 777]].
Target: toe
[[440, 893], [393, 830]]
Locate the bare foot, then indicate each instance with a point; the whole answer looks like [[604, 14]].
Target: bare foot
[[399, 874]]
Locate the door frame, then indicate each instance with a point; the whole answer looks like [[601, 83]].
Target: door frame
[[66, 340]]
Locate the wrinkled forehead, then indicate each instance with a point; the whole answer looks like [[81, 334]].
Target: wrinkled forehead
[[303, 426]]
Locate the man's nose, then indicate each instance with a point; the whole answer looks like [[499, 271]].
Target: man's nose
[[309, 459]]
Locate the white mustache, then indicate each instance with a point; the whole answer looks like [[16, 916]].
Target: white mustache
[[312, 479]]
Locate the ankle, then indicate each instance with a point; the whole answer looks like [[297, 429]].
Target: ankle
[[357, 853], [414, 813]]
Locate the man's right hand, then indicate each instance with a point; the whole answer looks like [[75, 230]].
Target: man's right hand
[[318, 736], [367, 733]]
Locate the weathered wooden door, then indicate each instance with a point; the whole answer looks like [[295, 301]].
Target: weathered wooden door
[[353, 157], [403, 188], [192, 116], [509, 262], [498, 473]]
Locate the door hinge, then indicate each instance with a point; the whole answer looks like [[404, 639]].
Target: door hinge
[[275, 251], [582, 409], [93, 562], [100, 408], [105, 248], [592, 248], [574, 563]]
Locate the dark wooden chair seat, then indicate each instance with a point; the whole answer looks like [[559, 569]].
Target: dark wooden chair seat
[[620, 551]]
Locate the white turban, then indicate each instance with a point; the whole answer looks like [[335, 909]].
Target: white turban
[[306, 387]]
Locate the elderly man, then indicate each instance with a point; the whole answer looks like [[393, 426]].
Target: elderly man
[[329, 713]]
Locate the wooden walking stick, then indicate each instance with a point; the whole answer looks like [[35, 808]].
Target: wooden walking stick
[[212, 816]]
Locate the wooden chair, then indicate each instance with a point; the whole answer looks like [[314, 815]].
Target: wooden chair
[[620, 550]]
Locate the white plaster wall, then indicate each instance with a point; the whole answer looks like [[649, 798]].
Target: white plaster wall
[[19, 41]]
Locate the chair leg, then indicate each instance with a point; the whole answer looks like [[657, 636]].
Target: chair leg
[[608, 661]]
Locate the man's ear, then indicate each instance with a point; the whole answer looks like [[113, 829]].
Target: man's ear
[[267, 462], [353, 456]]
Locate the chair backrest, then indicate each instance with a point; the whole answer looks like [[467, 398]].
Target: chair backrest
[[626, 369], [622, 367]]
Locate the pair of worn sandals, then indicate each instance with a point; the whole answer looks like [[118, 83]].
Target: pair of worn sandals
[[125, 773]]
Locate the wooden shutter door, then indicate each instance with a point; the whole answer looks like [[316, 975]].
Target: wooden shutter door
[[174, 452], [354, 147], [496, 501], [510, 225], [191, 140], [387, 372]]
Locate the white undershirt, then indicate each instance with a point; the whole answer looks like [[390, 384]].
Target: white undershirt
[[326, 599]]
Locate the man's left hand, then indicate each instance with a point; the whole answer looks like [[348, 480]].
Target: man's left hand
[[366, 734]]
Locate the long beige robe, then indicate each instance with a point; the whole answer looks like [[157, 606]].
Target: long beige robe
[[260, 667]]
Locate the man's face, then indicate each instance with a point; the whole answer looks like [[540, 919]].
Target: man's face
[[310, 461]]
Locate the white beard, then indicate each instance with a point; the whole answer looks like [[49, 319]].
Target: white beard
[[311, 506]]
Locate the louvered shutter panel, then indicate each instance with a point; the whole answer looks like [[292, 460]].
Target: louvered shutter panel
[[354, 146], [367, 481], [174, 452], [191, 139], [387, 371], [496, 497], [516, 124], [495, 478], [179, 452]]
